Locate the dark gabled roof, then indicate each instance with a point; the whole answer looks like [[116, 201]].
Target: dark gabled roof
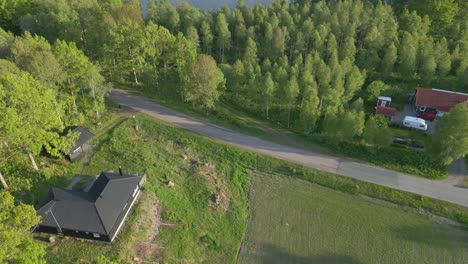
[[84, 136], [96, 211], [439, 99]]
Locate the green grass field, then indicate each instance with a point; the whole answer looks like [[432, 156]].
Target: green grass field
[[293, 221]]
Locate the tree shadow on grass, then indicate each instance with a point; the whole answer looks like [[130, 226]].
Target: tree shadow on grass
[[272, 254], [434, 235]]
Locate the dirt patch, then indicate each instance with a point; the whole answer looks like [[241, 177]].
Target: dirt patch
[[220, 200], [147, 225], [207, 168]]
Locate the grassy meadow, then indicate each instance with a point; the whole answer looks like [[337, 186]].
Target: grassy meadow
[[195, 228], [293, 221]]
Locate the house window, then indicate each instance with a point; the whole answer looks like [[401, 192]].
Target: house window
[[96, 235], [135, 191]]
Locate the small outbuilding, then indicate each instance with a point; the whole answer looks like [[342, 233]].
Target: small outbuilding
[[388, 112], [82, 143], [383, 107], [96, 214], [384, 101]]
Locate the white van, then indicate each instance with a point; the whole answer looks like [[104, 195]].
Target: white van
[[414, 122]]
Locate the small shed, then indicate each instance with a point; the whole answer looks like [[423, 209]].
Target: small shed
[[384, 101], [388, 112], [82, 143]]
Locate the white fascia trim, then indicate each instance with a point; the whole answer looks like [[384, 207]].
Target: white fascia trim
[[125, 217]]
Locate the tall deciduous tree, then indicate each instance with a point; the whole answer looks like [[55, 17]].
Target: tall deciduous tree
[[450, 141], [345, 125], [17, 244], [223, 35], [291, 92], [28, 119], [407, 56], [268, 93], [206, 36], [374, 89], [127, 50], [375, 134], [389, 59], [203, 83], [309, 111]]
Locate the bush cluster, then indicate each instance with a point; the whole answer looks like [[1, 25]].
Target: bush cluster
[[401, 159]]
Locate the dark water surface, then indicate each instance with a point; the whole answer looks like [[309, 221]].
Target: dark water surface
[[213, 4]]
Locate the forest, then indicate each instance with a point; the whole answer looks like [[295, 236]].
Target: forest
[[314, 67], [303, 64]]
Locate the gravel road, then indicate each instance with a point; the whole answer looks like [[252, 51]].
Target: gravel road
[[432, 188]]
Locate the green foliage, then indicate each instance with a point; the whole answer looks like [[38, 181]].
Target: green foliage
[[223, 35], [404, 160], [441, 12], [375, 134], [451, 138], [104, 260], [345, 125], [15, 222], [203, 83], [374, 90], [30, 125]]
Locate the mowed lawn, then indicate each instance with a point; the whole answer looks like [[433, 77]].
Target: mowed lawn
[[293, 221]]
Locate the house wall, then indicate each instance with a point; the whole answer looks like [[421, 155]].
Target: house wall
[[72, 233], [76, 155]]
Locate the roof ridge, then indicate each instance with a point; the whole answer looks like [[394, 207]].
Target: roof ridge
[[126, 178]]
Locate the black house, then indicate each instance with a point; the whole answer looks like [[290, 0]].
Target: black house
[[82, 143], [97, 214]]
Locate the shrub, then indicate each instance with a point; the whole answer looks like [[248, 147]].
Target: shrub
[[401, 159]]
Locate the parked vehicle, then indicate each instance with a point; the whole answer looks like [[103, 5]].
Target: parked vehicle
[[430, 116], [414, 122]]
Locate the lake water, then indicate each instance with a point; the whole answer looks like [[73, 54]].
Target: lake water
[[213, 4]]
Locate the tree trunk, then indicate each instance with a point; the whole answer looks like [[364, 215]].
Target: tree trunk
[[95, 103], [267, 108], [289, 114], [5, 185], [135, 75], [31, 157]]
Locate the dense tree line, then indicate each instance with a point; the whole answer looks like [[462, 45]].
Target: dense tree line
[[307, 65], [43, 89], [308, 62]]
